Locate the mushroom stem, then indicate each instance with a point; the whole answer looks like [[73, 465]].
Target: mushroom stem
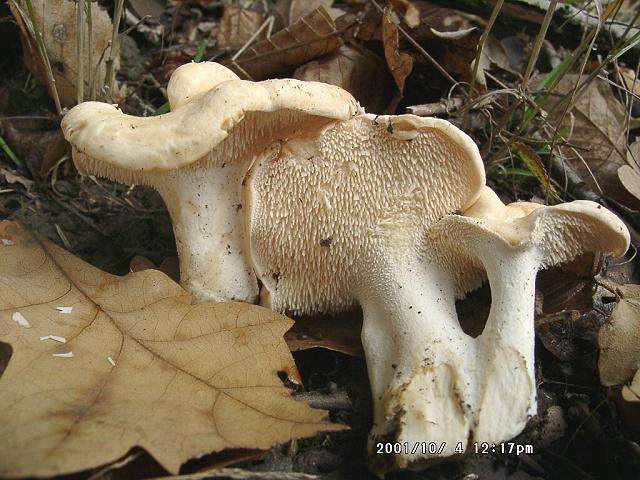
[[417, 359], [209, 232], [508, 396]]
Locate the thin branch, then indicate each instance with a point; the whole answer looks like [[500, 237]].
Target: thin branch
[[80, 50], [110, 75]]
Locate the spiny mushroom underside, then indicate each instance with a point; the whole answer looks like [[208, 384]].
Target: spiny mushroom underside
[[336, 202], [461, 390]]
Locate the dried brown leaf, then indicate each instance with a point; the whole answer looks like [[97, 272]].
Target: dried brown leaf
[[596, 126], [310, 37], [409, 12], [400, 64], [237, 25], [140, 366], [359, 72], [337, 334], [619, 339], [56, 20], [293, 10]]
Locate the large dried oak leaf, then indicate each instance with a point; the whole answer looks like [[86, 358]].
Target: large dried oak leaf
[[148, 369]]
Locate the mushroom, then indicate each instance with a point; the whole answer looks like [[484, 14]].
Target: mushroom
[[435, 389], [341, 208], [196, 156]]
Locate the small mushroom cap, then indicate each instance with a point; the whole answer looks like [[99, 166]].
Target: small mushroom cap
[[192, 80], [559, 233], [194, 129]]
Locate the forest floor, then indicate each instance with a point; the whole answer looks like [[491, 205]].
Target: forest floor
[[536, 109]]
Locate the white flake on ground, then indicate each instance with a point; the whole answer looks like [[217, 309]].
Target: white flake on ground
[[111, 361], [20, 320], [64, 309], [54, 337], [63, 355], [7, 242]]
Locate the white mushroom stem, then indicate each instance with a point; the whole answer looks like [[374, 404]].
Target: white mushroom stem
[[506, 346], [208, 226], [416, 358], [430, 381]]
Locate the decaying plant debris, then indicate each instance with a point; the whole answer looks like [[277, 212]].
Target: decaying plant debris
[[551, 100]]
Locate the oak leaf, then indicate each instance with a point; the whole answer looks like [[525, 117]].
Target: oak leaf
[[103, 363], [310, 37]]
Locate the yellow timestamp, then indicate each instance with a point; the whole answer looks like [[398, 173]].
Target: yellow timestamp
[[506, 448]]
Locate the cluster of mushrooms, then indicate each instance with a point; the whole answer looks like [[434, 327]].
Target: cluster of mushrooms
[[285, 192]]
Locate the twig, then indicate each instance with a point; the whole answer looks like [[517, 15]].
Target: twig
[[92, 92], [80, 50], [438, 108], [110, 74], [481, 43]]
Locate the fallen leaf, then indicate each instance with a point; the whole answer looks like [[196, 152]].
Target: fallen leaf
[[188, 379], [630, 81], [237, 26], [355, 71], [337, 334], [400, 64], [631, 393], [619, 339], [290, 11], [534, 164], [409, 12], [596, 128], [169, 266], [56, 20], [144, 8], [310, 37], [31, 138], [629, 175]]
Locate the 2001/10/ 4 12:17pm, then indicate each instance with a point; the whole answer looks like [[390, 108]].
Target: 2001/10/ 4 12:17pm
[[437, 448]]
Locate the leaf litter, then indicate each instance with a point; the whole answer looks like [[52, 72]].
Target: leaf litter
[[179, 380]]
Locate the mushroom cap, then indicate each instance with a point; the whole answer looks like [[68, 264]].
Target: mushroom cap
[[338, 203], [199, 123], [558, 233], [191, 80]]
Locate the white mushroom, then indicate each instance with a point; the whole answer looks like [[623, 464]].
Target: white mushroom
[[342, 208], [197, 155]]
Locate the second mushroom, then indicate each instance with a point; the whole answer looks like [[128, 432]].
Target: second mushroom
[[290, 183]]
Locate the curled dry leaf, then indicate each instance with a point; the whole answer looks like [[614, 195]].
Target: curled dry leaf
[[57, 23], [400, 64], [310, 37], [355, 71], [237, 26], [619, 339], [183, 380]]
